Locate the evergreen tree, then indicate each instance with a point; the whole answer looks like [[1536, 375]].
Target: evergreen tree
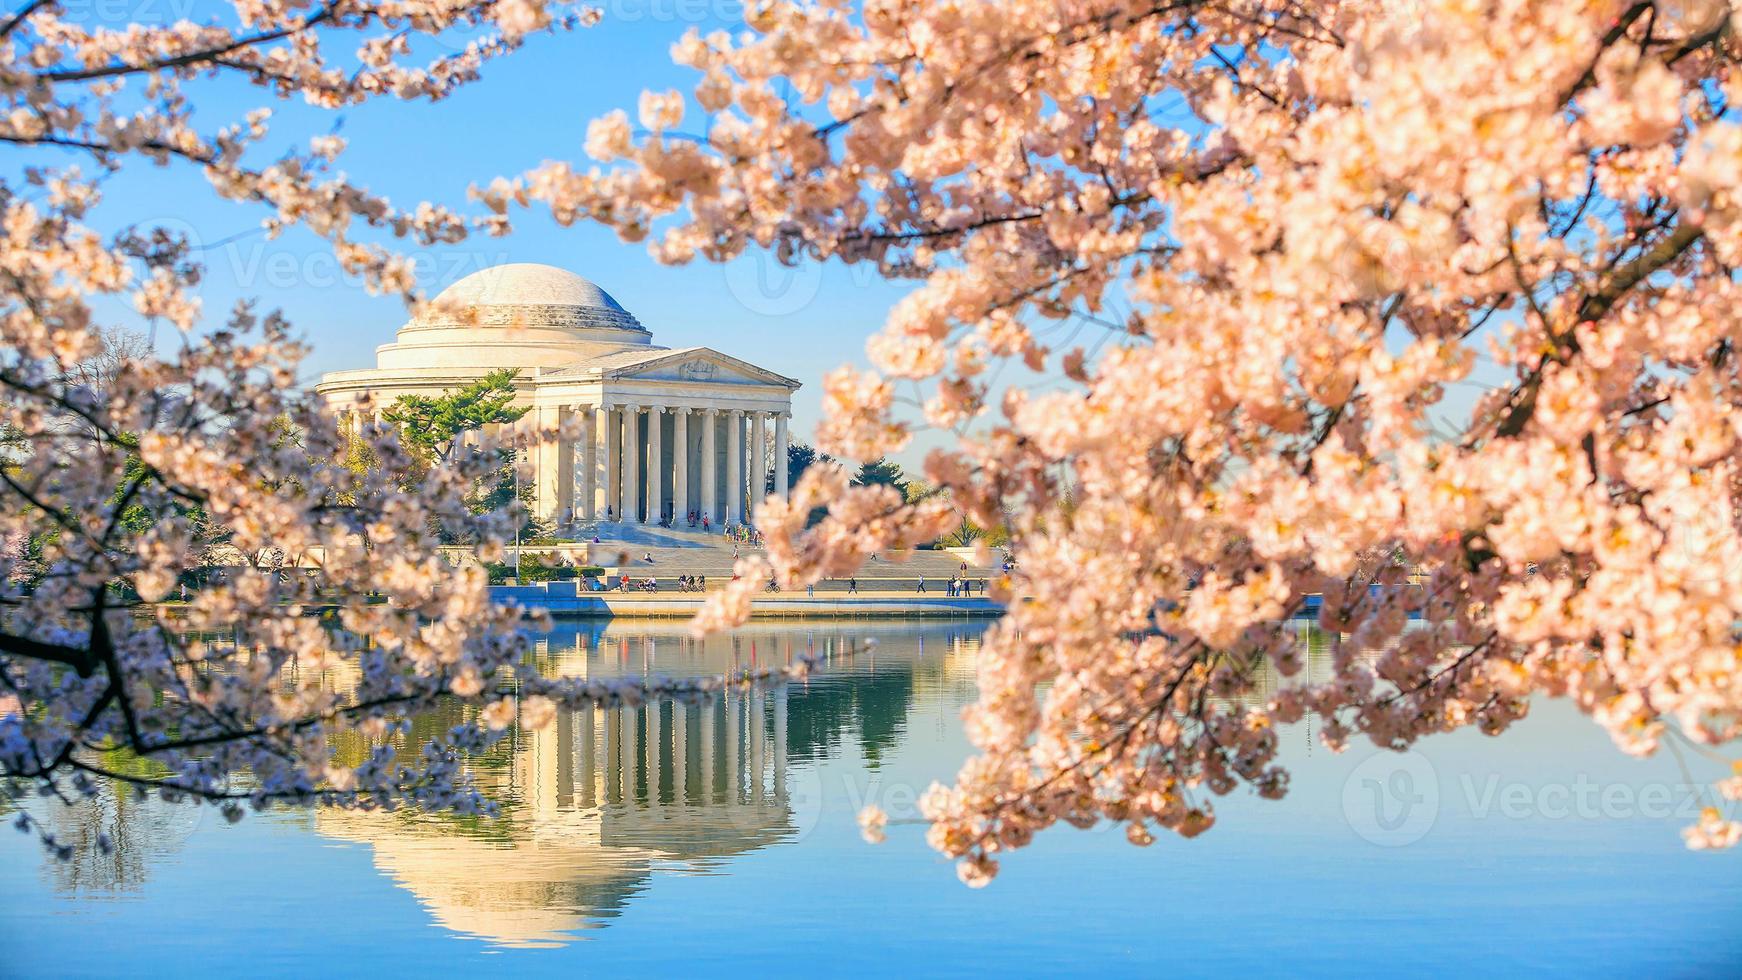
[[882, 470], [431, 426], [801, 457]]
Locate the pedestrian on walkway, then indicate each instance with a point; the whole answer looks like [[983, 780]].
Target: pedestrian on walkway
[[852, 586], [921, 584]]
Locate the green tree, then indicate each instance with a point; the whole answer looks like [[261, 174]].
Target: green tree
[[882, 470], [430, 426], [801, 457]]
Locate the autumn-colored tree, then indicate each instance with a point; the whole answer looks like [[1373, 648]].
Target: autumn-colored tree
[[1302, 235]]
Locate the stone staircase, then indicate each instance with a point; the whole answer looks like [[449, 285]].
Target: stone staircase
[[686, 551]]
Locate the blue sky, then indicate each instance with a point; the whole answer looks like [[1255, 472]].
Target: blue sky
[[530, 107]]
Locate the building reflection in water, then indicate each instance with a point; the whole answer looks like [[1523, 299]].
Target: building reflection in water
[[601, 800], [597, 802]]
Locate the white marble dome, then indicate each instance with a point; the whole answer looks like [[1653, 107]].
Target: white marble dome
[[529, 294]]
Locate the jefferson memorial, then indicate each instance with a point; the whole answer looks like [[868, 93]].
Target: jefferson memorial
[[664, 432]]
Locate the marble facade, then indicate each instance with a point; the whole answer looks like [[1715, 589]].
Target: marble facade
[[662, 432]]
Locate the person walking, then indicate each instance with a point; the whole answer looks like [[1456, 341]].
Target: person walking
[[810, 591], [852, 586], [921, 584]]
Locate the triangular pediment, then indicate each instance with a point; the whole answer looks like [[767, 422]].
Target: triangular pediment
[[700, 365]]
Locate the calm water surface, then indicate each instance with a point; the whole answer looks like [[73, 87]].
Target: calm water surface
[[663, 839]]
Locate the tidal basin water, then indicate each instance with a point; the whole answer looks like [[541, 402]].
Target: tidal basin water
[[671, 841]]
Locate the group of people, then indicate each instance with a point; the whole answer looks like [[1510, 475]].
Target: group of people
[[694, 518], [685, 583], [742, 533], [959, 585]]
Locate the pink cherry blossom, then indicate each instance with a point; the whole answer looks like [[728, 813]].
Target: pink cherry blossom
[[1426, 308]]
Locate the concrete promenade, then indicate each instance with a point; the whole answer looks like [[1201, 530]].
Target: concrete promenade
[[564, 600]]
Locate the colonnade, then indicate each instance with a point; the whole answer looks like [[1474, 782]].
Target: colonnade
[[651, 463], [732, 750], [648, 463]]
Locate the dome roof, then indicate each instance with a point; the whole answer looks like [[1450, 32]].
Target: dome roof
[[530, 294]]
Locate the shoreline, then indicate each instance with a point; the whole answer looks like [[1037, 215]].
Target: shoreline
[[563, 601]]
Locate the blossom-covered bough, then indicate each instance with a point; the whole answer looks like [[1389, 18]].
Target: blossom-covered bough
[[1427, 307], [114, 481]]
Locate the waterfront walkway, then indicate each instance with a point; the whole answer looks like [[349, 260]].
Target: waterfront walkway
[[565, 599], [690, 551]]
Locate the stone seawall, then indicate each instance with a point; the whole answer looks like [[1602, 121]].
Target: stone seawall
[[564, 600]]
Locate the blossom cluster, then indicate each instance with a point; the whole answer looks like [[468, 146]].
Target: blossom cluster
[[1428, 309], [207, 475]]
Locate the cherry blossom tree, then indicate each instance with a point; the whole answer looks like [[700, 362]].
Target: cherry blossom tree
[[1301, 234], [111, 491]]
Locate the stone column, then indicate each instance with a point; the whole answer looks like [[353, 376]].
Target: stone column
[[780, 447], [779, 696], [589, 463], [680, 737], [655, 469], [546, 482], [734, 466], [757, 763], [734, 745], [565, 471], [611, 434], [680, 464], [758, 459], [709, 732], [710, 475], [654, 742], [631, 453]]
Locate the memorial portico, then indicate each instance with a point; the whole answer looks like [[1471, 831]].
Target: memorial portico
[[659, 432]]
